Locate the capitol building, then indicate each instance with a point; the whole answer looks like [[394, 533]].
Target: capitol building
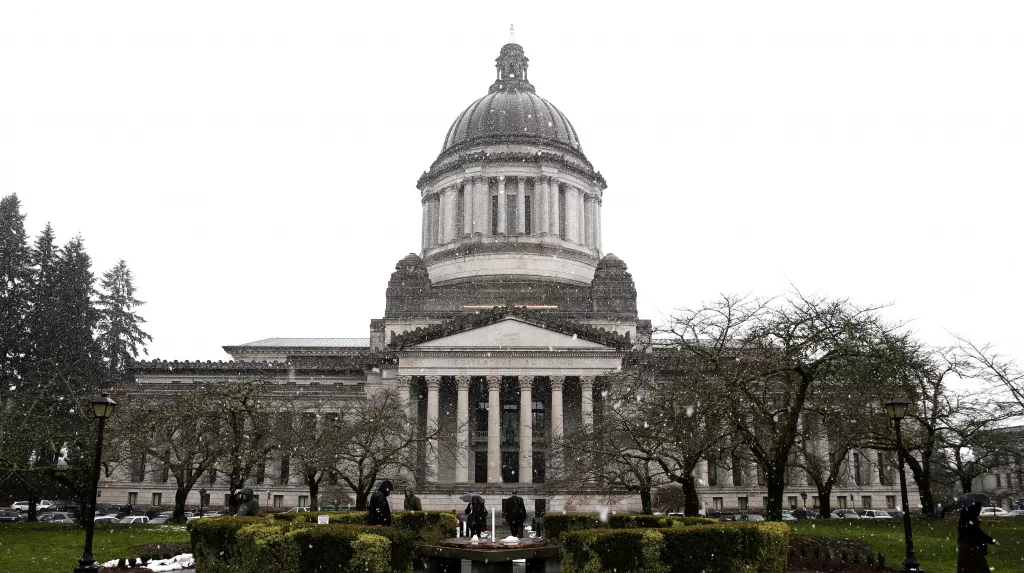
[[500, 327]]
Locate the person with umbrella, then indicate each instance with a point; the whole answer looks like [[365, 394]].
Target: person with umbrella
[[972, 543], [476, 515]]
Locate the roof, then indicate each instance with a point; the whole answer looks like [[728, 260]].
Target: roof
[[308, 343]]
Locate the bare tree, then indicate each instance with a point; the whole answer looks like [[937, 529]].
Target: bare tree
[[1000, 371], [318, 428]]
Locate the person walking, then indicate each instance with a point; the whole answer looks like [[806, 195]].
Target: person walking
[[380, 510], [248, 506], [411, 502], [971, 542], [513, 510], [476, 515]]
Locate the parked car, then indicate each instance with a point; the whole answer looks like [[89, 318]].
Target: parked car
[[136, 519], [994, 512], [106, 519], [23, 505], [298, 510], [788, 516], [159, 520], [875, 514], [9, 515], [1016, 513], [845, 514], [57, 517], [748, 517], [118, 510]]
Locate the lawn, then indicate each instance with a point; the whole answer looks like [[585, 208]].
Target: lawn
[[35, 548], [934, 540]]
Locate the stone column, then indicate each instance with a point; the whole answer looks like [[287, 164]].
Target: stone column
[[502, 208], [572, 215], [525, 429], [462, 433], [597, 224], [493, 429], [467, 207], [553, 205], [521, 207], [442, 217], [581, 216], [451, 203], [557, 420], [587, 400], [425, 229], [403, 392], [433, 383], [481, 206], [542, 208]]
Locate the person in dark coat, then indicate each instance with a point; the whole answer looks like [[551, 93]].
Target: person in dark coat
[[514, 511], [476, 515], [971, 542], [411, 503], [249, 505], [380, 510]]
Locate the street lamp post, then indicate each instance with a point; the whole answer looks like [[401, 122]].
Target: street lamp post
[[102, 407], [897, 409], [202, 498]]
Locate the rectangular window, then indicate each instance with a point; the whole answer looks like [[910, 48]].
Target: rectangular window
[[286, 470], [539, 468], [882, 478], [539, 419], [999, 481], [332, 478], [814, 502], [716, 503], [227, 499], [303, 501], [744, 504], [206, 498], [841, 502], [865, 501], [737, 472], [712, 474], [157, 499], [460, 212], [890, 502], [213, 476], [760, 475], [278, 501], [561, 213], [165, 474], [529, 215], [494, 214], [480, 467], [511, 214], [764, 501], [133, 498], [510, 466], [1009, 481], [856, 468], [792, 501], [261, 473], [481, 419]]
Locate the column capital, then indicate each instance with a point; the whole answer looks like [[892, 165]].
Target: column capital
[[587, 382], [462, 382], [526, 382], [557, 382], [494, 382], [433, 382], [404, 380]]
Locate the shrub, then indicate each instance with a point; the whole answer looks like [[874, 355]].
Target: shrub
[[371, 553], [727, 547], [620, 550], [557, 524], [214, 538], [162, 550], [263, 547], [330, 548], [431, 525]]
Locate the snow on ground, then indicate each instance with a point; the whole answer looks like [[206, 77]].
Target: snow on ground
[[176, 563]]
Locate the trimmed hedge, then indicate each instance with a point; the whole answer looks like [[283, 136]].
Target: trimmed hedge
[[214, 540], [716, 548], [336, 548], [431, 525], [556, 524]]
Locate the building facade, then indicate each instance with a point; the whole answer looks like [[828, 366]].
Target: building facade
[[500, 328]]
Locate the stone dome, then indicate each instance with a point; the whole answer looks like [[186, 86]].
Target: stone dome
[[511, 111]]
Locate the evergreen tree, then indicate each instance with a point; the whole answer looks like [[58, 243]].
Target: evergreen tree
[[119, 334], [15, 285]]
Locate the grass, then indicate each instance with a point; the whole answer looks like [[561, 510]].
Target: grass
[[46, 548], [934, 540]]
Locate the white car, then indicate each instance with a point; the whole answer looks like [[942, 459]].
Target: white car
[[875, 514], [23, 505], [298, 510], [845, 514], [106, 519], [135, 519], [994, 512]]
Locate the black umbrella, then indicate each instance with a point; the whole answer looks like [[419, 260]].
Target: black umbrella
[[468, 497], [968, 499]]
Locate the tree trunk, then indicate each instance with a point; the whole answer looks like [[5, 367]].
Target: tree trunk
[[776, 487], [361, 497], [314, 493], [825, 500], [180, 495], [965, 483], [645, 500], [32, 510], [691, 503], [923, 478]]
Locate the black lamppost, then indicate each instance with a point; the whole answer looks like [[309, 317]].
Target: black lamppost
[[102, 408], [202, 498], [897, 409]]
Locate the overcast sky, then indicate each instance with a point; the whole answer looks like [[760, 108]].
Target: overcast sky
[[255, 163]]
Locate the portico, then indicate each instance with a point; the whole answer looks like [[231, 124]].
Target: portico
[[503, 393]]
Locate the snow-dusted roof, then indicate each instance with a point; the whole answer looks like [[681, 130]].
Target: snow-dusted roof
[[309, 343]]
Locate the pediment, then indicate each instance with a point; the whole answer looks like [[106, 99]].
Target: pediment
[[510, 334]]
